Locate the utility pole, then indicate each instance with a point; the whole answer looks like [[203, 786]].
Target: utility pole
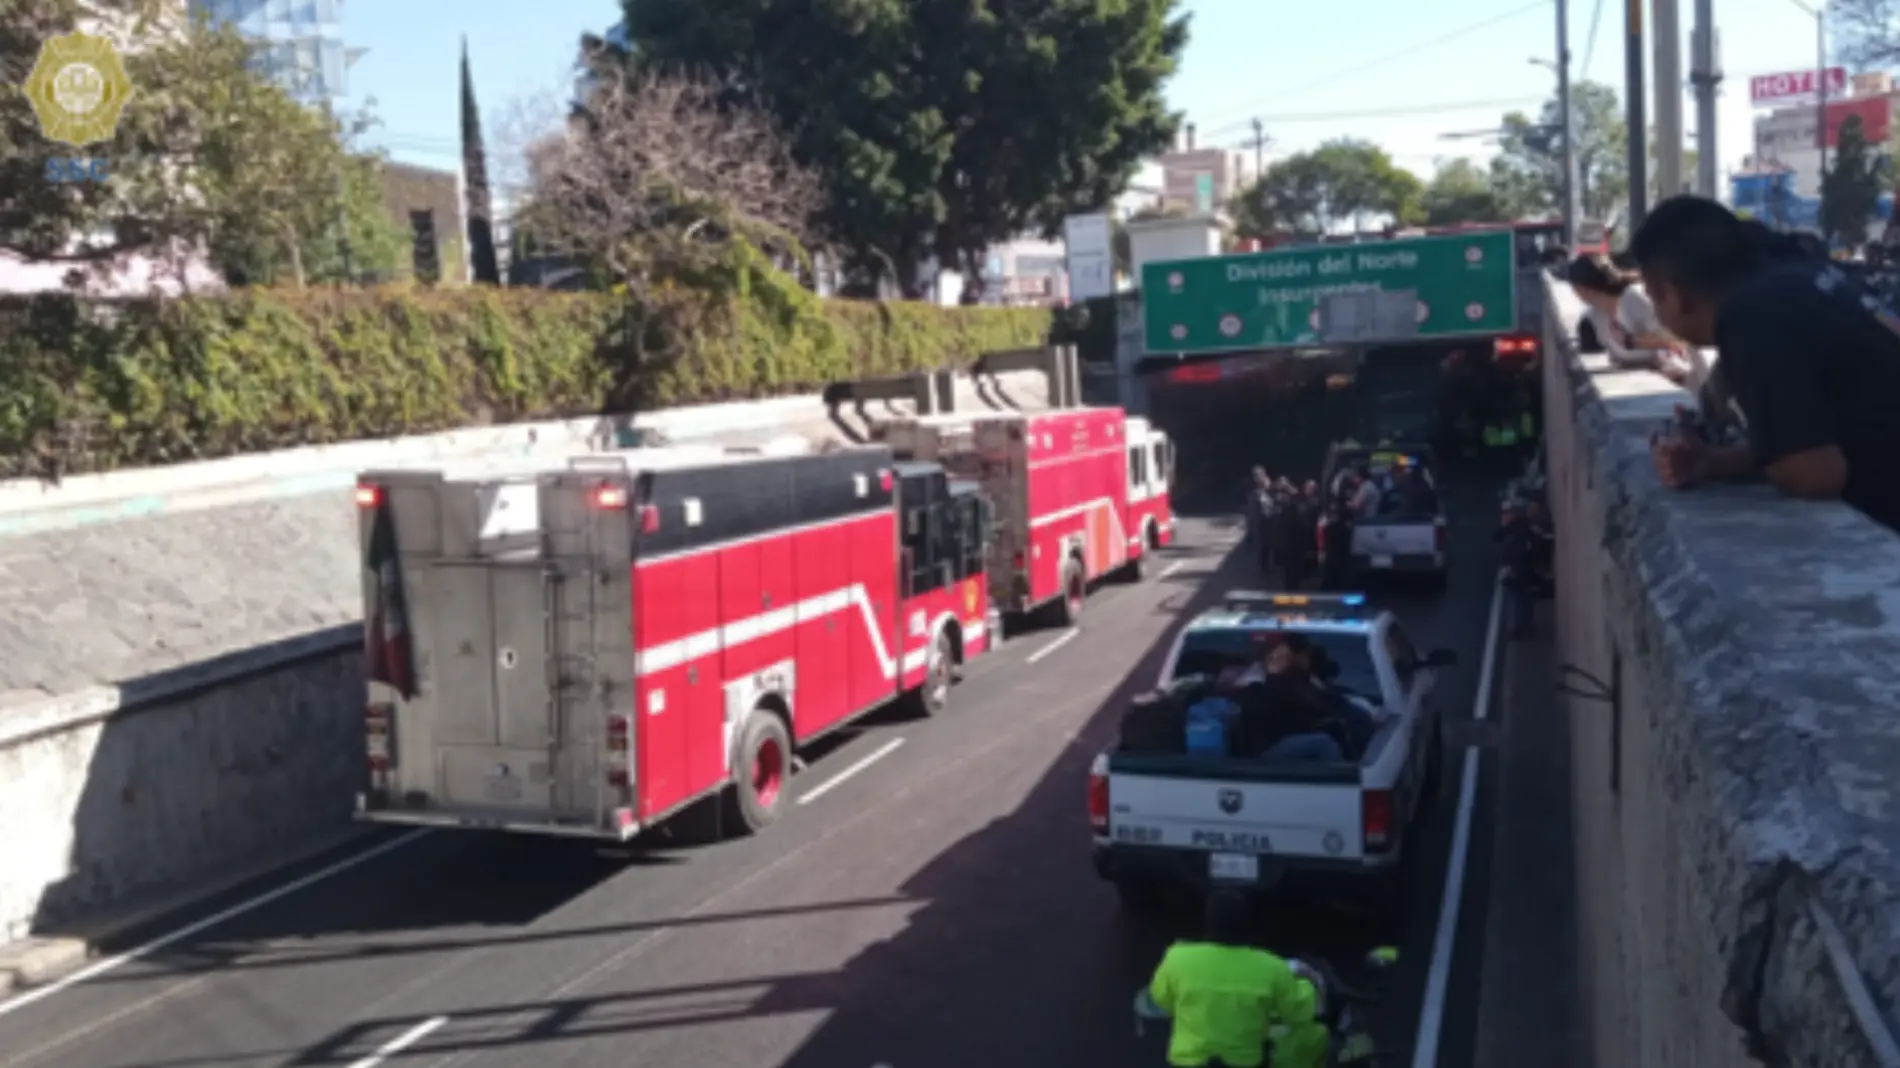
[[1638, 117], [1706, 72], [1820, 85], [1260, 140], [1569, 123], [1668, 46]]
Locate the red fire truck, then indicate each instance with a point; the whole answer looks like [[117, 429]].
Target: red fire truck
[[1077, 493], [589, 650]]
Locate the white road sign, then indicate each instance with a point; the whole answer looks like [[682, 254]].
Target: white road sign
[[1091, 256]]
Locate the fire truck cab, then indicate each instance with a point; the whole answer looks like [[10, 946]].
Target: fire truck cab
[[1079, 494], [589, 649]]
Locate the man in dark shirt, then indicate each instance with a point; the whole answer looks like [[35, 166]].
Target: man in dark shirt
[[1813, 366]]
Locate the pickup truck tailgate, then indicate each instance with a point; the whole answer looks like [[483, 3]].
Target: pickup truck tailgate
[[1394, 539], [1234, 816]]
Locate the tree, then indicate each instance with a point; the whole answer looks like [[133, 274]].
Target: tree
[[209, 158], [1527, 175], [940, 127], [1339, 183], [1850, 191], [1866, 32], [479, 207], [657, 180], [1461, 192]]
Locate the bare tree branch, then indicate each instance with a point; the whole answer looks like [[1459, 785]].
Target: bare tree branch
[[656, 175], [1867, 32]]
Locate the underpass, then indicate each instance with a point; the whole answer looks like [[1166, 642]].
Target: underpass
[[928, 901]]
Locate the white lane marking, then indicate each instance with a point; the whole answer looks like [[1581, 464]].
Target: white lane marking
[[400, 1042], [1172, 568], [1481, 706], [1052, 647], [1431, 1012], [90, 972], [837, 780]]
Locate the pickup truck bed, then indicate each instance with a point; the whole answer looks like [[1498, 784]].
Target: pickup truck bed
[[1202, 821]]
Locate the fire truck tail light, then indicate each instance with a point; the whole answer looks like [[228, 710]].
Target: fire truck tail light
[[885, 480], [619, 734], [368, 495], [609, 497], [1098, 795], [378, 735], [649, 519], [1376, 820], [1019, 562]]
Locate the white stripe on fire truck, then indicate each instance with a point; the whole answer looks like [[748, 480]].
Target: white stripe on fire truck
[[668, 655]]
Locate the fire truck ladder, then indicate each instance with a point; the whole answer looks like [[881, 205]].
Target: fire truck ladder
[[1057, 362]]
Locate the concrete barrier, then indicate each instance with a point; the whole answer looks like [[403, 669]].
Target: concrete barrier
[[1733, 670], [180, 666]]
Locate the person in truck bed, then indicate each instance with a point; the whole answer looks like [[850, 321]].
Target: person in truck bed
[[1282, 716]]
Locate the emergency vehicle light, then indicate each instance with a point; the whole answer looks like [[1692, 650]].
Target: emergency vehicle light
[[1255, 598], [369, 495], [609, 497]]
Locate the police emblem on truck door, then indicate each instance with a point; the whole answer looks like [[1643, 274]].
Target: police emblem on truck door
[[1231, 800]]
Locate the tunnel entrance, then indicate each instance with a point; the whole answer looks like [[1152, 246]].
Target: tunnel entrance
[[1281, 410]]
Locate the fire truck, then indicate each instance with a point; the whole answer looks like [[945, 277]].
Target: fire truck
[[589, 649], [1077, 493]]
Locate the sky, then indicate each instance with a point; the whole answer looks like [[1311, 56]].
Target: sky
[[1398, 72]]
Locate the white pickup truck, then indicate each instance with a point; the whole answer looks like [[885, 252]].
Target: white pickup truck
[[1339, 829], [1400, 538]]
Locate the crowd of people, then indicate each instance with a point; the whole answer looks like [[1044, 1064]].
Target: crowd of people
[[1283, 517], [1809, 357]]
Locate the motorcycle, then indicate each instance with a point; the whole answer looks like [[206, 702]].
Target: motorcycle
[[1344, 1010]]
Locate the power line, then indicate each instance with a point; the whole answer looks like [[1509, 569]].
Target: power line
[[1440, 107], [1406, 53], [1590, 43]]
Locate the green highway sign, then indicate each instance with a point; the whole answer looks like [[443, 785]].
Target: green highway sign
[[1466, 284]]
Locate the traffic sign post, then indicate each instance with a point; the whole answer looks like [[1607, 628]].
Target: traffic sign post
[[1464, 285]]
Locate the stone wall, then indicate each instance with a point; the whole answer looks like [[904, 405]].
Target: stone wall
[[182, 693], [1735, 674]]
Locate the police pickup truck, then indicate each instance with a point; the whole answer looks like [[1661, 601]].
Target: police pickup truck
[[1406, 533], [1337, 829]]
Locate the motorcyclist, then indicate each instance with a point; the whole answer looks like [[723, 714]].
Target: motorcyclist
[[1226, 997], [1517, 543]]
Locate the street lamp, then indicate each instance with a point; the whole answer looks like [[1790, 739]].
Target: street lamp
[[1820, 74]]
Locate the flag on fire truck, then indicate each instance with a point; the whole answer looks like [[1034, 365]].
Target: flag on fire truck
[[391, 654]]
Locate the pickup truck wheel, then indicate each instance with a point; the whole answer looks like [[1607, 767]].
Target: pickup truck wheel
[[762, 772]]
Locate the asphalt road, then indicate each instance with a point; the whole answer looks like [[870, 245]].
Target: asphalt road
[[934, 906]]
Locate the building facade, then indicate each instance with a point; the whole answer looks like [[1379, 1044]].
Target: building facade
[[301, 42], [1790, 139]]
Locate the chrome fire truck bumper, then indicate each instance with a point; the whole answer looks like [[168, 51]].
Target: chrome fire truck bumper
[[489, 821]]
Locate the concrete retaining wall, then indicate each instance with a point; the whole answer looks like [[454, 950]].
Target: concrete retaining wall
[[180, 666], [1735, 757]]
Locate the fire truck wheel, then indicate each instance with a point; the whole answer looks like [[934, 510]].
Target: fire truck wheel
[[1068, 607], [933, 697], [764, 771]]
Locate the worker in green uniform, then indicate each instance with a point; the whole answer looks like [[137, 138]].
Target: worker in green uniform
[[1228, 999]]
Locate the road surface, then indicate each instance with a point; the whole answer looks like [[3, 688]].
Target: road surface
[[927, 902]]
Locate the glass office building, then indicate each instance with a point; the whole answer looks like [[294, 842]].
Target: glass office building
[[301, 42]]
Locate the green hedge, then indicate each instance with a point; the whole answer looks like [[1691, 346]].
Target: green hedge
[[92, 387]]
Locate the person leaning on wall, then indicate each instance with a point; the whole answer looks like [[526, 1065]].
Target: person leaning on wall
[[1809, 358]]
